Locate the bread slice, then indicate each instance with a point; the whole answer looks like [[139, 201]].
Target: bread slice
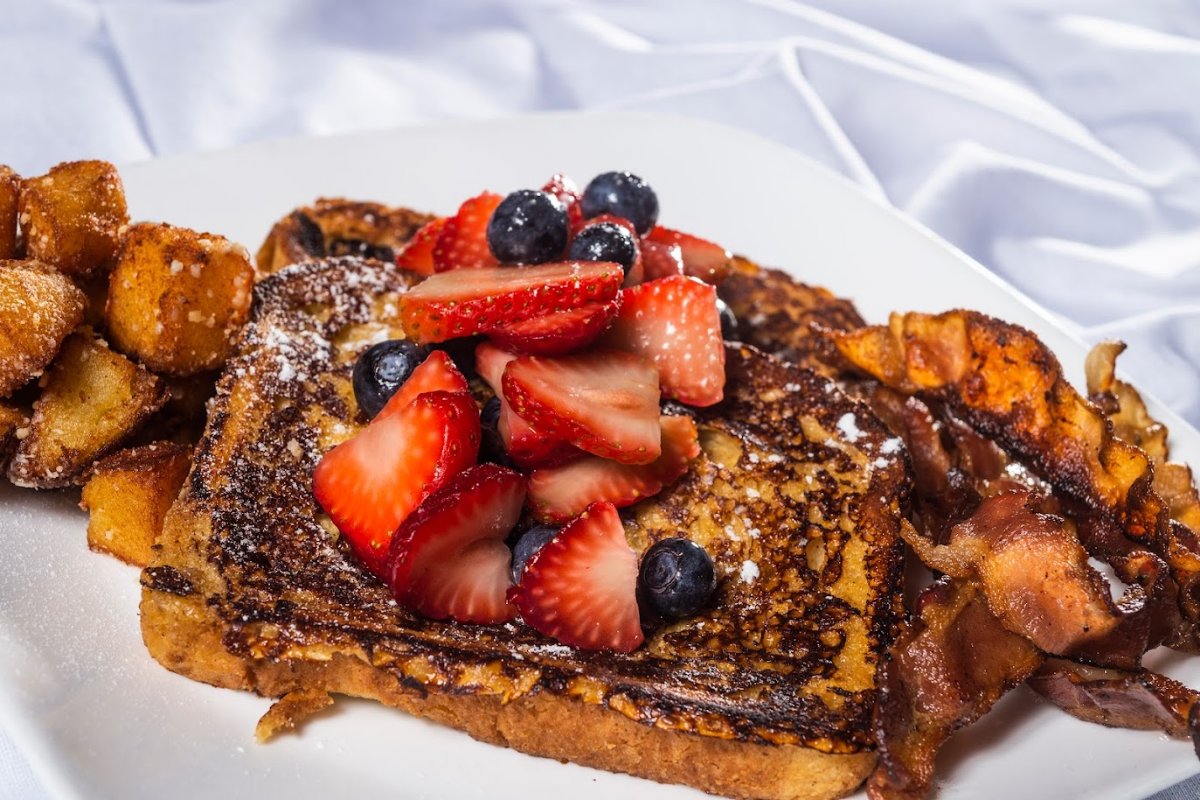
[[767, 694]]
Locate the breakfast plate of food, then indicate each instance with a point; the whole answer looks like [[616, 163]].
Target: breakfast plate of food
[[437, 473]]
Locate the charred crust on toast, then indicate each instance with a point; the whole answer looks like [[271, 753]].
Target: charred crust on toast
[[787, 655]]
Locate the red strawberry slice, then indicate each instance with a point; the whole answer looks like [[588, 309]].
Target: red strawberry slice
[[417, 254], [675, 324], [604, 402], [468, 301], [702, 259], [436, 373], [449, 558], [661, 260], [462, 243], [559, 493], [567, 191], [581, 587], [527, 447], [559, 333], [369, 484]]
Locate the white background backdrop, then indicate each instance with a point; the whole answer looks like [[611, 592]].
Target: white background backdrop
[[1058, 143]]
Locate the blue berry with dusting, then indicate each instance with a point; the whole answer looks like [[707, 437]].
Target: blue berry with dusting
[[621, 194], [528, 546], [528, 227], [491, 443], [381, 370], [676, 578], [729, 323], [605, 241]]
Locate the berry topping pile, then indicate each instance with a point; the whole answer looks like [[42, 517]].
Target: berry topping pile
[[582, 325]]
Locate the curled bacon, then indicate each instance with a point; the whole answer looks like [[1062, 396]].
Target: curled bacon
[[949, 666], [1137, 699]]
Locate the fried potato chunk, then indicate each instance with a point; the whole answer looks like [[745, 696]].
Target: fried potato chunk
[[38, 308], [177, 297], [10, 191], [93, 398], [71, 216], [127, 497]]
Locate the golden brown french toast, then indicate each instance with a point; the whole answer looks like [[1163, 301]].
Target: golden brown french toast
[[768, 693]]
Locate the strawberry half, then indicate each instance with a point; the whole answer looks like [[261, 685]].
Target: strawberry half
[[675, 324], [581, 587], [369, 484], [462, 243], [436, 373], [702, 259], [559, 493], [661, 260], [567, 191], [417, 254], [559, 333], [604, 402], [449, 558], [527, 447], [468, 301]]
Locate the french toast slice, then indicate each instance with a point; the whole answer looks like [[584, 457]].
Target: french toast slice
[[768, 693]]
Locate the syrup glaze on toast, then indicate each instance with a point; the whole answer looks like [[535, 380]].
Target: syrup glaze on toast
[[798, 497]]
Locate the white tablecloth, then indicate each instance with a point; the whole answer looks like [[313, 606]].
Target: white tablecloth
[[1057, 143]]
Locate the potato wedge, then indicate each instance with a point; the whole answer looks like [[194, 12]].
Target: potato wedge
[[177, 297], [38, 308], [92, 399], [10, 191], [128, 494], [70, 217]]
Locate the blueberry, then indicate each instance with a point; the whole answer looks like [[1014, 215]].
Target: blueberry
[[729, 324], [676, 578], [462, 353], [379, 372], [528, 545], [621, 194], [605, 241], [528, 227], [491, 445]]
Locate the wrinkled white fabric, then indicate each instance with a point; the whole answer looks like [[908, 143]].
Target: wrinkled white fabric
[[1057, 143]]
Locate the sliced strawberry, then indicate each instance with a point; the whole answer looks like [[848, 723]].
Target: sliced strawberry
[[449, 558], [417, 254], [436, 373], [567, 191], [581, 587], [661, 260], [528, 448], [557, 494], [460, 303], [604, 402], [462, 244], [559, 333], [369, 484], [675, 324], [702, 259]]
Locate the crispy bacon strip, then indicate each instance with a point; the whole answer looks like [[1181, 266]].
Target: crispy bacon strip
[[949, 666], [1137, 699], [1032, 570], [1004, 382]]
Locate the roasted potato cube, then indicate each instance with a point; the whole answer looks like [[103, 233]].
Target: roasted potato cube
[[127, 496], [70, 217], [38, 308], [10, 190], [91, 400], [177, 297], [13, 422]]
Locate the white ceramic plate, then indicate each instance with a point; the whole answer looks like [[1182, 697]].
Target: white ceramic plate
[[99, 719]]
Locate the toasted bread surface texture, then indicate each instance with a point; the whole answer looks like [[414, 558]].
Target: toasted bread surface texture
[[765, 694]]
